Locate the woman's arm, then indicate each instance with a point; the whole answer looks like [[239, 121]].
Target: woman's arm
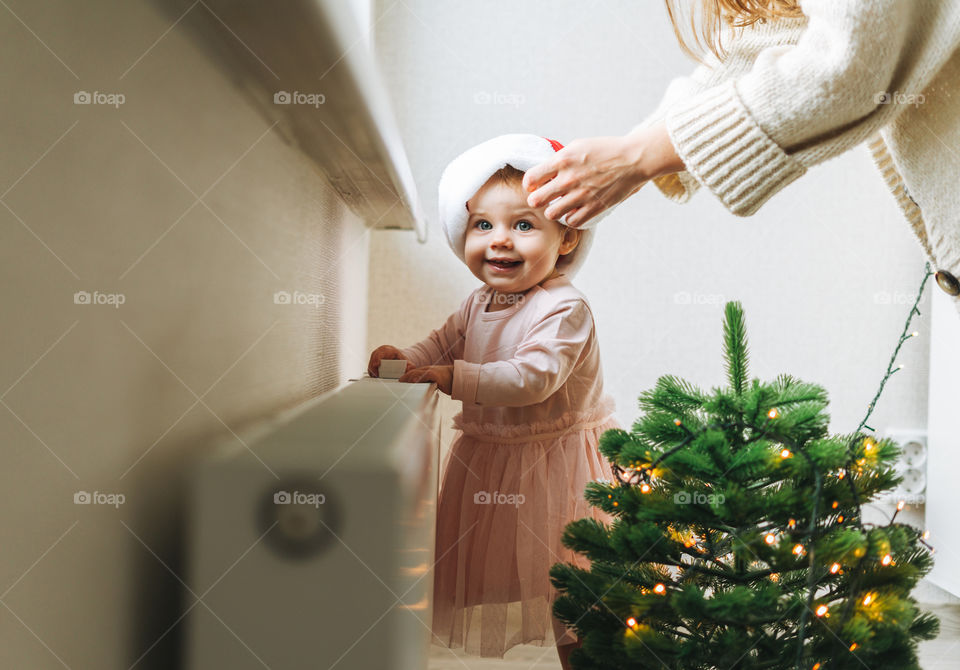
[[803, 103], [609, 169], [794, 93], [539, 367], [661, 163]]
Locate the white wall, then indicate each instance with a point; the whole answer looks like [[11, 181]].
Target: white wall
[[97, 398], [827, 270]]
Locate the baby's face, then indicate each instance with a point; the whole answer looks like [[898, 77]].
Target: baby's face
[[509, 245]]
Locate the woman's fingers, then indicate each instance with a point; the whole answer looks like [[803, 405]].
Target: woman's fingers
[[576, 218], [565, 204], [539, 175]]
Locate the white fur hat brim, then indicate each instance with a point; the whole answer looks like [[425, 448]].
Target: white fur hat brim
[[469, 171]]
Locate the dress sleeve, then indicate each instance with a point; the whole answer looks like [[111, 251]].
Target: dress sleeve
[[742, 138], [539, 367], [443, 345]]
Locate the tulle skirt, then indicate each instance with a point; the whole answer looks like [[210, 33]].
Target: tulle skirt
[[504, 502]]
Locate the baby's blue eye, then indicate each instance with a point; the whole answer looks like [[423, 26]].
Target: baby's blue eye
[[529, 226], [481, 224]]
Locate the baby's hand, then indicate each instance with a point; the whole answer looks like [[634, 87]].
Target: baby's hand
[[442, 375], [386, 351]]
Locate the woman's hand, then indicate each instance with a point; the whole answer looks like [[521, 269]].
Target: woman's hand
[[386, 351], [593, 174], [442, 375]]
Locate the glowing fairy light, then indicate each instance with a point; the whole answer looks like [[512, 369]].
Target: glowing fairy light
[[645, 488], [660, 589], [853, 646], [868, 599], [785, 453], [773, 413], [900, 505], [798, 549], [822, 610], [631, 622], [770, 538], [887, 559], [835, 568]]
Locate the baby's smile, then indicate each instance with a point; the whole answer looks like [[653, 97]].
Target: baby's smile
[[503, 264]]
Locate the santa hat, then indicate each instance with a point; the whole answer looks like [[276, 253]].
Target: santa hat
[[469, 171]]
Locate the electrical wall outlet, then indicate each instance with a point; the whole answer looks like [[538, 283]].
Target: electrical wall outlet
[[911, 465]]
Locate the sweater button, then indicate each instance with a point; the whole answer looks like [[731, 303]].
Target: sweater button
[[947, 282]]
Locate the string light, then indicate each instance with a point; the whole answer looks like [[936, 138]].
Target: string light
[[770, 538], [645, 488], [773, 413], [677, 422], [798, 549], [631, 622], [868, 599], [791, 523], [785, 453], [835, 568], [900, 505], [835, 504], [853, 646], [822, 610], [660, 589], [816, 666]]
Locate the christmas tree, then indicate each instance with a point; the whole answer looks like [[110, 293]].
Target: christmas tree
[[737, 539]]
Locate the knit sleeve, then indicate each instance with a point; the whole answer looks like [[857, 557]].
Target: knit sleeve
[[443, 345], [539, 366], [800, 104]]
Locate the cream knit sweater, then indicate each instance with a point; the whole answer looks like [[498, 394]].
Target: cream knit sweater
[[792, 93]]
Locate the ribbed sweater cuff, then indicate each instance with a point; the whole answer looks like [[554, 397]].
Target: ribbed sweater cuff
[[726, 151]]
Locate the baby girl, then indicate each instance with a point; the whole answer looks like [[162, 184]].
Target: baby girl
[[521, 354]]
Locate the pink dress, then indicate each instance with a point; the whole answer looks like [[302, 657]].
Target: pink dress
[[534, 408]]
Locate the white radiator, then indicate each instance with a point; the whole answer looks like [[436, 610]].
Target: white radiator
[[328, 564]]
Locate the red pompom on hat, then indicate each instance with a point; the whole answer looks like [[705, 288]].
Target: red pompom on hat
[[469, 171]]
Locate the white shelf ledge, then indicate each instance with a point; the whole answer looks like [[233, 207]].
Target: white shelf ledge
[[281, 54]]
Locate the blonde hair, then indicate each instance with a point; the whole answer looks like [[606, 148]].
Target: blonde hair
[[507, 175], [706, 27]]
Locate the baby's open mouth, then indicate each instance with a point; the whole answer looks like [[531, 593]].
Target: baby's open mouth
[[503, 264]]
